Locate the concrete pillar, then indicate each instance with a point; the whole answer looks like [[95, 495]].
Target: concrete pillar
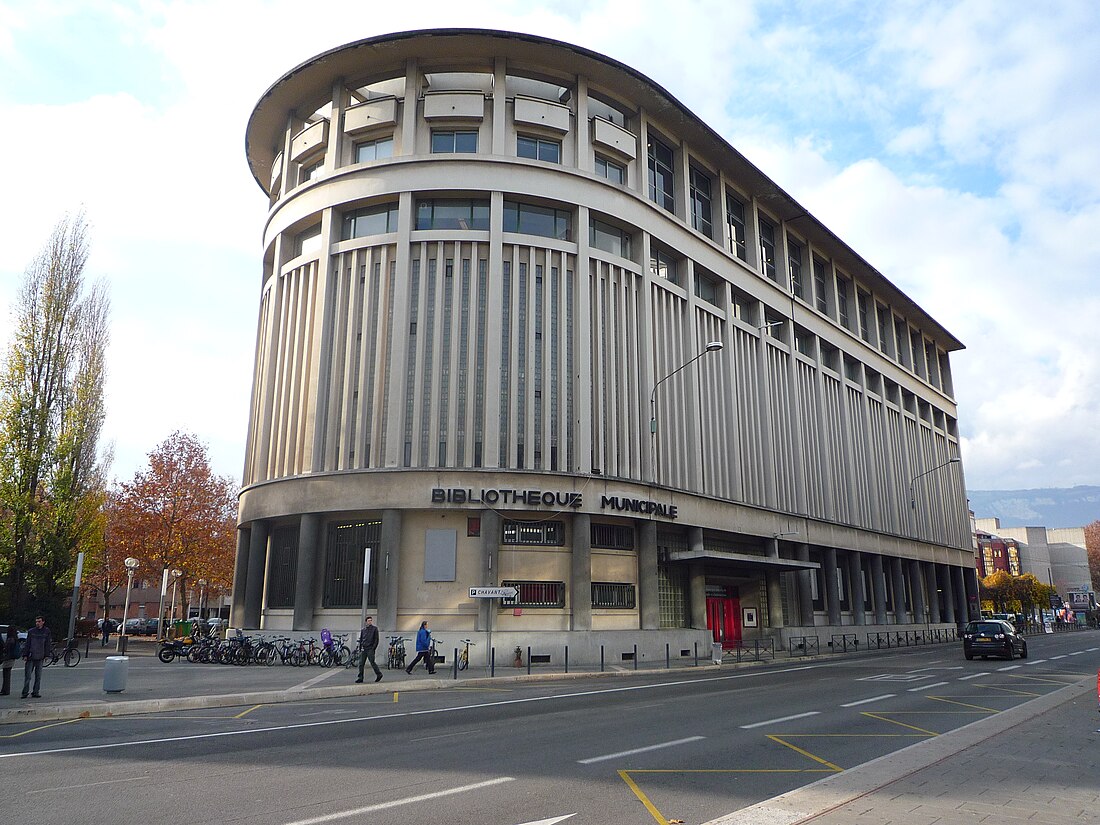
[[649, 606], [897, 577], [948, 585], [805, 588], [774, 588], [916, 585], [859, 596], [697, 588], [309, 541], [958, 585], [970, 582], [580, 585], [389, 569], [878, 588], [240, 578], [932, 578], [832, 594], [254, 582]]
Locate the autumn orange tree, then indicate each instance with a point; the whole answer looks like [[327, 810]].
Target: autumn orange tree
[[1092, 547], [176, 514]]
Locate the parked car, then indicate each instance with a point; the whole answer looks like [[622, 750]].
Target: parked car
[[135, 627], [152, 626], [993, 637]]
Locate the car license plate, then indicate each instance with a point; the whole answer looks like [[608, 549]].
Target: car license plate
[[982, 639]]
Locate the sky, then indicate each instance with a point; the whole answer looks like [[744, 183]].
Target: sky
[[954, 146]]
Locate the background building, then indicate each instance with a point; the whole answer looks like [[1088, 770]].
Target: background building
[[1054, 555], [526, 320]]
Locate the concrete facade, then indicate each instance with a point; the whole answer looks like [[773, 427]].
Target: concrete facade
[[1054, 555], [524, 319]]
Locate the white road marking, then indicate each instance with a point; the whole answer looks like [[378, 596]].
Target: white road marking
[[1009, 667], [971, 676], [328, 674], [1091, 649], [780, 719], [872, 699], [411, 713], [1052, 658], [1034, 662], [927, 687], [89, 785], [552, 821], [1077, 653], [646, 749], [409, 800]]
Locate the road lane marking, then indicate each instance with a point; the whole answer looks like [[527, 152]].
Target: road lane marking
[[244, 713], [646, 749], [872, 715], [410, 713], [40, 727], [1034, 662], [409, 800], [971, 676], [1052, 658], [1009, 667], [780, 719], [872, 699], [805, 753], [89, 785], [328, 674], [1077, 653], [649, 806], [928, 687]]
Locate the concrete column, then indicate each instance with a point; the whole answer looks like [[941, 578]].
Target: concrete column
[[254, 582], [309, 541], [878, 588], [491, 531], [970, 582], [958, 586], [240, 578], [901, 615], [649, 606], [859, 596], [932, 578], [389, 569], [916, 584], [832, 594], [697, 588], [580, 586], [805, 588], [944, 577], [774, 588]]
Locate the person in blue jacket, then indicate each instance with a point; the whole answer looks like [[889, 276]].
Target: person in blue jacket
[[423, 649]]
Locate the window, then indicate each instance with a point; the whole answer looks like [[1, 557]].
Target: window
[[661, 177], [450, 142], [794, 266], [842, 287], [609, 238], [606, 168], [662, 264], [735, 220], [539, 149], [374, 220], [282, 570], [863, 310], [744, 307], [821, 298], [706, 287], [883, 330], [344, 558], [537, 220], [535, 594], [374, 149], [613, 536], [308, 241], [308, 172], [550, 533], [452, 213], [767, 249], [699, 184], [612, 595]]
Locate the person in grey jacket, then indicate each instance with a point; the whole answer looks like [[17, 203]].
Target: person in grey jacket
[[368, 644], [39, 643]]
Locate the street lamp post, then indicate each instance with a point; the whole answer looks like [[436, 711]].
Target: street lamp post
[[912, 489], [712, 346], [131, 567]]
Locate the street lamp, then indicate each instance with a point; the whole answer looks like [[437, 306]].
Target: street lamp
[[131, 567], [712, 346], [912, 493]]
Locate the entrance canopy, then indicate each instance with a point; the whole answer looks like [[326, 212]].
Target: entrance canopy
[[744, 560]]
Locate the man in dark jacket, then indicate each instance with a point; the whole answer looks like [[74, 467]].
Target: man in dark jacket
[[368, 644], [39, 643]]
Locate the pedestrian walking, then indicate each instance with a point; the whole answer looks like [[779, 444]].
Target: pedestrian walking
[[368, 644], [423, 649], [9, 652], [106, 632], [39, 643]]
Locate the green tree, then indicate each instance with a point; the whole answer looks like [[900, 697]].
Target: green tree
[[51, 417]]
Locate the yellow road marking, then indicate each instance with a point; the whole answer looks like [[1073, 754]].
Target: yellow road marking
[[960, 704], [731, 770], [896, 722], [805, 753], [1004, 690], [40, 727], [1046, 681], [246, 712], [630, 783]]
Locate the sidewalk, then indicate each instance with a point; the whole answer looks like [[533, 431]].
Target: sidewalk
[[1037, 763]]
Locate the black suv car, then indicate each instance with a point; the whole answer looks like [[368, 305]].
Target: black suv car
[[993, 637]]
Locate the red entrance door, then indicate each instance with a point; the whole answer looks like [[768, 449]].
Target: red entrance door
[[724, 619]]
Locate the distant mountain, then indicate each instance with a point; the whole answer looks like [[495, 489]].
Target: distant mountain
[[1052, 507]]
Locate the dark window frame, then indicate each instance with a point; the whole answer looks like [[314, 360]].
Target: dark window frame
[[535, 593], [515, 532], [662, 174], [614, 595], [456, 137], [532, 148]]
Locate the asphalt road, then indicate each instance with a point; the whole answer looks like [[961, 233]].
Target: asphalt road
[[663, 746]]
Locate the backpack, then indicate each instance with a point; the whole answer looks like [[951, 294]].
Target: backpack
[[326, 637]]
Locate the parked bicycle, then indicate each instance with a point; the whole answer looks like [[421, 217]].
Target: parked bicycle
[[396, 656], [464, 654], [67, 651]]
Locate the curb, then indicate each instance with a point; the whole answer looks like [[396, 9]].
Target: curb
[[809, 801]]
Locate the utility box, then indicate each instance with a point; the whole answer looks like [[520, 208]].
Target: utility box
[[716, 652], [115, 671]]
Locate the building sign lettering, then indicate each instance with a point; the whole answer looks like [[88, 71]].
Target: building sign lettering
[[549, 498]]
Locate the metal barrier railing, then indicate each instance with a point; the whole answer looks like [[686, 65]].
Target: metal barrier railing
[[755, 651], [843, 642], [803, 646]]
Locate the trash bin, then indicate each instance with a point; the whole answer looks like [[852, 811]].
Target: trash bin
[[716, 652], [115, 670]]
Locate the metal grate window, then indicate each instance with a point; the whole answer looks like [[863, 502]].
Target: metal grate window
[[613, 536], [344, 552], [610, 594], [534, 532], [536, 594], [283, 568]]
